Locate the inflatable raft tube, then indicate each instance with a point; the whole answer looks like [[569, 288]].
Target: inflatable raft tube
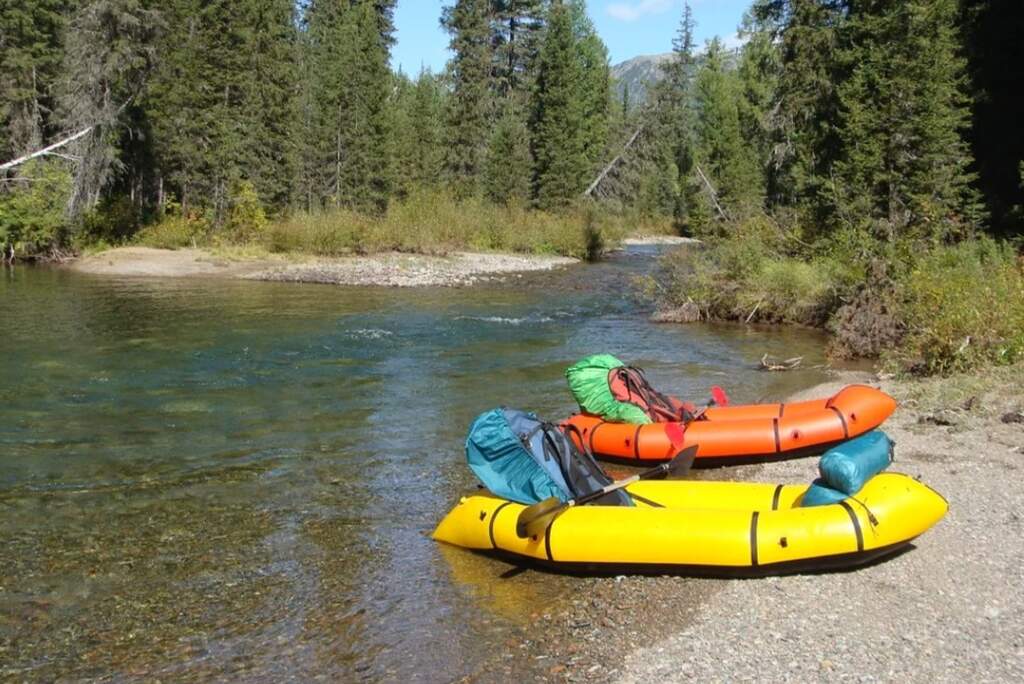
[[707, 528], [732, 435]]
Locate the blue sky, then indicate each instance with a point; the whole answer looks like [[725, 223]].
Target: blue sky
[[628, 27]]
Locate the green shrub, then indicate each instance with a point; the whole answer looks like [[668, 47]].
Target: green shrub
[[32, 214], [746, 275], [174, 232], [113, 221], [334, 233], [246, 218], [963, 307]]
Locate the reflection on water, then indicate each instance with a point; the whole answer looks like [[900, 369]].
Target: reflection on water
[[212, 478]]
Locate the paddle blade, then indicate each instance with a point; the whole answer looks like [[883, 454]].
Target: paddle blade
[[535, 519], [719, 396], [675, 434], [681, 464]]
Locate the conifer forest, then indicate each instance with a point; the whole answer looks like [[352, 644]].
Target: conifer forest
[[855, 164]]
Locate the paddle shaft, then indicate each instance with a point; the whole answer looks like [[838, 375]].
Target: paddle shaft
[[619, 484], [536, 517]]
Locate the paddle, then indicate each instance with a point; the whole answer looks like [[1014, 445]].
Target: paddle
[[718, 396], [535, 519]]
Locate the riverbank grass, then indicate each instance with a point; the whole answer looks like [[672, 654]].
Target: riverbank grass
[[921, 308], [430, 223]]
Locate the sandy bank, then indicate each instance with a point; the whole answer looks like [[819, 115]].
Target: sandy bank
[[950, 609], [389, 269]]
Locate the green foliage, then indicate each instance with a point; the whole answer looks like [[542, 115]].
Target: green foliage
[[179, 227], [964, 308], [902, 110], [471, 102], [515, 35], [595, 85], [507, 172], [417, 127], [222, 101], [557, 117], [32, 216], [114, 220], [758, 75], [362, 133], [348, 136], [109, 51], [437, 223], [747, 276], [246, 218], [725, 157], [31, 53], [808, 33], [992, 35]]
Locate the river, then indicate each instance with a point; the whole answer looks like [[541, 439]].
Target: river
[[229, 479]]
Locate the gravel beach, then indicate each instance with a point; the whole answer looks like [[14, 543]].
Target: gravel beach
[[411, 270], [387, 269]]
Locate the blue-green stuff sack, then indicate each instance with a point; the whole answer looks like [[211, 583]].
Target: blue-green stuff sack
[[820, 494], [848, 466], [519, 457]]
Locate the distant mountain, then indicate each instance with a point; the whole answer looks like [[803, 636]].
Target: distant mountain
[[638, 73]]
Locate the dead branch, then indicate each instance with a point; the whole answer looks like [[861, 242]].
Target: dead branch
[[46, 150], [711, 192], [754, 310], [611, 165]]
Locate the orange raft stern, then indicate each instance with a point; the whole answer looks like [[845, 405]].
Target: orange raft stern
[[730, 435]]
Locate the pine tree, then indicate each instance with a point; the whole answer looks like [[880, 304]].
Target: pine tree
[[470, 103], [726, 159], [507, 172], [805, 110], [269, 108], [595, 83], [671, 124], [188, 100], [403, 141], [674, 92], [364, 179], [417, 132], [516, 30], [758, 76], [557, 117], [350, 150], [325, 38], [31, 51], [993, 33], [428, 107], [903, 110], [110, 51]]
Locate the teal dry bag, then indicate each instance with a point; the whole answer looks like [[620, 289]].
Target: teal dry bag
[[848, 466], [519, 457]]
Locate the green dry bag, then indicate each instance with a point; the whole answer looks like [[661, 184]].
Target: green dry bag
[[588, 381]]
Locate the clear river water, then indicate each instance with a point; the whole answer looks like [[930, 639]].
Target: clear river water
[[229, 479]]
